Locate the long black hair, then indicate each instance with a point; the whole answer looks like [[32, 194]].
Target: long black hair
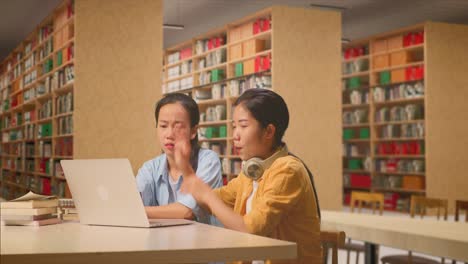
[[194, 115], [267, 107]]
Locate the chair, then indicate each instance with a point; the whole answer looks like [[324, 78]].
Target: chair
[[332, 240], [368, 198], [461, 205], [423, 203], [372, 198], [419, 204]]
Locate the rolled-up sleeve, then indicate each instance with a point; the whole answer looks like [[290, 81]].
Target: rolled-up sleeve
[[209, 170], [146, 185], [280, 195], [228, 193]]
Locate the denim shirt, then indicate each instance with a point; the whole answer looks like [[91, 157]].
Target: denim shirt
[[154, 186]]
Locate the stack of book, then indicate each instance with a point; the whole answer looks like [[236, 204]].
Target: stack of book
[[68, 210], [30, 209]]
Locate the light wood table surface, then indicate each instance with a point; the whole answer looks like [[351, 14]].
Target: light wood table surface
[[72, 242], [432, 237]]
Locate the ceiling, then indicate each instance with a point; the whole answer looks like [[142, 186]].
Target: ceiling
[[360, 19]]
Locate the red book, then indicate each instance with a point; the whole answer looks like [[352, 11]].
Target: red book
[[407, 40], [256, 27], [358, 180], [46, 189], [258, 63], [69, 10], [219, 41], [265, 24], [266, 63], [211, 44]]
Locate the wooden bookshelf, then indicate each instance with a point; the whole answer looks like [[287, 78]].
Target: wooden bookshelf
[[109, 120], [285, 75], [30, 78], [392, 89]]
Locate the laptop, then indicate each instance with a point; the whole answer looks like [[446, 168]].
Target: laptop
[[105, 193]]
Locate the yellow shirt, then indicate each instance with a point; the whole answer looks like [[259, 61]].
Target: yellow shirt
[[283, 207]]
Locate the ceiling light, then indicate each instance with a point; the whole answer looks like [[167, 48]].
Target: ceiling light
[[329, 7], [173, 26], [345, 40]]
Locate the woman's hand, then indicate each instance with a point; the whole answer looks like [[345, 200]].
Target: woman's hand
[[208, 200], [182, 151], [193, 185]]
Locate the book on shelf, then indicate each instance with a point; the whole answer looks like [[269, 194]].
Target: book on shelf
[[64, 103], [44, 183], [64, 147], [43, 222], [30, 200]]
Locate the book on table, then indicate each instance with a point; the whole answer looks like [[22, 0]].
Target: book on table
[[30, 209], [31, 200], [50, 221]]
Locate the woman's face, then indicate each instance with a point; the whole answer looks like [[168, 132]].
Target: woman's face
[[250, 139], [174, 125]]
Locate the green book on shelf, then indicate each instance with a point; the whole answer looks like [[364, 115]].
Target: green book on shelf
[[59, 58], [6, 104], [385, 77], [46, 130], [239, 69], [348, 134], [364, 133], [51, 64], [354, 82], [211, 132], [46, 66], [217, 75], [354, 164], [19, 118], [222, 131]]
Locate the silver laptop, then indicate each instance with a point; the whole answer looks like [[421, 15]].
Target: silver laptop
[[105, 193]]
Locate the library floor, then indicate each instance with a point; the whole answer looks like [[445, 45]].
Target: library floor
[[385, 251]]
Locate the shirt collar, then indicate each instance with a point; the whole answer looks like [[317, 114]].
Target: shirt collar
[[163, 174]]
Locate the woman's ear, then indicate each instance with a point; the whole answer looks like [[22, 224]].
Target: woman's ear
[[270, 131], [193, 132]]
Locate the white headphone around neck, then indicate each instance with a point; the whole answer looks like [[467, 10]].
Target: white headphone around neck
[[255, 167]]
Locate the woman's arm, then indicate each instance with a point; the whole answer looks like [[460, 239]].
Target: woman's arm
[[204, 195], [202, 192], [147, 189], [173, 210]]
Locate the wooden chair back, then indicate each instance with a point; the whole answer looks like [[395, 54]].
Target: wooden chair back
[[369, 198], [332, 240], [421, 204], [459, 206]]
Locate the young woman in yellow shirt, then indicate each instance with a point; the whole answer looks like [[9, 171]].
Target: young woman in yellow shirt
[[273, 196]]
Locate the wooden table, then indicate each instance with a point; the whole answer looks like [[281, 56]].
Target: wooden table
[[436, 238], [74, 243]]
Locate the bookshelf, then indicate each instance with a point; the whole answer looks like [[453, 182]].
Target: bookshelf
[[269, 49], [393, 95], [37, 87]]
